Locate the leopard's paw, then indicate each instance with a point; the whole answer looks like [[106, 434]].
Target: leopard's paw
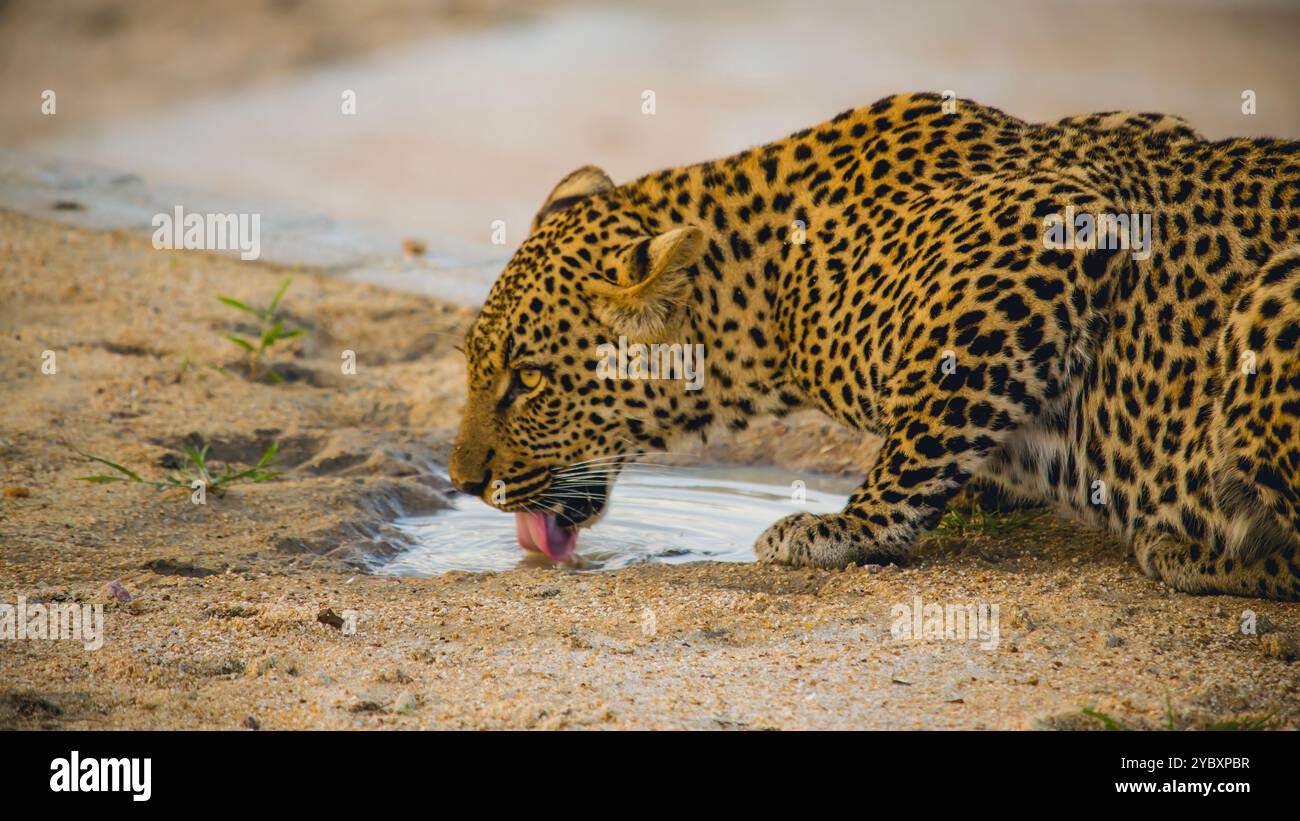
[[809, 540], [1147, 550]]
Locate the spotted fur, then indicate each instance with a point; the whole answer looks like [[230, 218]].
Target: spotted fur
[[923, 306]]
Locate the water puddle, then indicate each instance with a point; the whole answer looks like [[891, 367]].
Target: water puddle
[[673, 515]]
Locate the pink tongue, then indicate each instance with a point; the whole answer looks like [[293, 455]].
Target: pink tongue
[[542, 531]]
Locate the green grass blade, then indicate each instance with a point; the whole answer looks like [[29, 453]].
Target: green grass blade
[[1265, 722], [243, 343], [115, 466], [1108, 722], [275, 301], [200, 459], [268, 456], [234, 303], [272, 333]]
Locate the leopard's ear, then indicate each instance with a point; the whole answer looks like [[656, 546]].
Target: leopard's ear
[[644, 295], [582, 183]]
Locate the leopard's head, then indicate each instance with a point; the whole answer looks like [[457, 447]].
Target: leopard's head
[[547, 424]]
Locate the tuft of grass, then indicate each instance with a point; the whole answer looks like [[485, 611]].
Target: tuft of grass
[[1270, 721], [1253, 724], [980, 522], [271, 331], [199, 470], [1108, 723]]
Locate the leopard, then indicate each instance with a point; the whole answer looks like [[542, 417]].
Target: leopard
[[902, 269]]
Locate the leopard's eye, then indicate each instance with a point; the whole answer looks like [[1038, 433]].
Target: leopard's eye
[[530, 378]]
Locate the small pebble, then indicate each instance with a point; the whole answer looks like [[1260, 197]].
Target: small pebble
[[117, 591], [405, 703]]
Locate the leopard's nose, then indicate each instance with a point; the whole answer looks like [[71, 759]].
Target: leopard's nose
[[470, 469], [475, 488], [462, 480]]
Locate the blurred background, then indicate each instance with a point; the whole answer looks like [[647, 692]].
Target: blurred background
[[468, 111]]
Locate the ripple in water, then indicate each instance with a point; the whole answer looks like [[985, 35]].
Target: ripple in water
[[656, 515]]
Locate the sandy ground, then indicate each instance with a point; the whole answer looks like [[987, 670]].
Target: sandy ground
[[222, 629]]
